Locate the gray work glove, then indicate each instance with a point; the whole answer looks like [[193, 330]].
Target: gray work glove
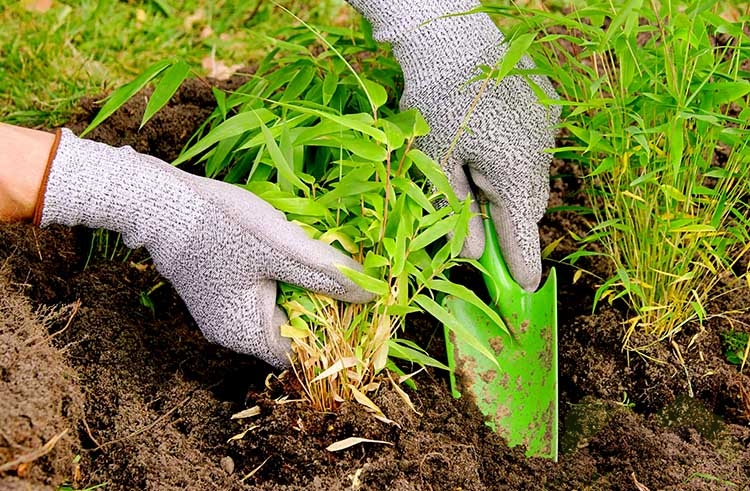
[[508, 131], [221, 247]]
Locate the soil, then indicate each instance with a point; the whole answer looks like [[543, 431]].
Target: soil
[[97, 388]]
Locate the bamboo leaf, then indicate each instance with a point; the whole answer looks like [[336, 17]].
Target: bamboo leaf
[[374, 285], [397, 349], [519, 46], [404, 396], [121, 95], [450, 321], [435, 175], [467, 295], [165, 89], [364, 400], [461, 229], [330, 83], [361, 122], [298, 84], [357, 145], [340, 365], [410, 122], [283, 166], [433, 233], [726, 92], [236, 125], [377, 94]]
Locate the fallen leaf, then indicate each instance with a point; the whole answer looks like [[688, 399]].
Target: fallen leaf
[[247, 413], [240, 436], [404, 396], [23, 469], [191, 19], [207, 32], [252, 472], [350, 442], [218, 69], [140, 267], [40, 6], [638, 485]]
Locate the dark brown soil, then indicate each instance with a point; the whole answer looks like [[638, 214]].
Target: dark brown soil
[[146, 401]]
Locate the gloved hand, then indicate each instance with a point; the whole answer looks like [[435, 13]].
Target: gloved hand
[[503, 145], [221, 247]]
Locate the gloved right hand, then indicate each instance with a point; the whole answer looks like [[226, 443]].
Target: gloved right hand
[[496, 137], [221, 247]]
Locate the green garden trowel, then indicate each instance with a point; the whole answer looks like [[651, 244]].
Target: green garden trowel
[[517, 391]]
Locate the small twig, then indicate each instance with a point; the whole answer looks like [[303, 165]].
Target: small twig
[[34, 454], [678, 354], [88, 429], [145, 428], [36, 242], [74, 310], [252, 472], [11, 442], [745, 396], [638, 485]]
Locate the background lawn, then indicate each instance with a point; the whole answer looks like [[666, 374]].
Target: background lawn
[[53, 52]]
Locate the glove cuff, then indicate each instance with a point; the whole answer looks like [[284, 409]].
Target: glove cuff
[[37, 217], [145, 199], [430, 47]]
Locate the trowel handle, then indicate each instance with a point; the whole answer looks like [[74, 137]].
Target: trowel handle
[[500, 284]]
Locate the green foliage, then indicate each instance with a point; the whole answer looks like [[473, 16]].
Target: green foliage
[[736, 346], [107, 245], [323, 142], [656, 98]]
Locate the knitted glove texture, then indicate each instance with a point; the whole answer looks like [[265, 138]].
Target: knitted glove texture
[[502, 146], [221, 247]]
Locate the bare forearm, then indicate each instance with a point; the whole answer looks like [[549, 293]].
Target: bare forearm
[[23, 159]]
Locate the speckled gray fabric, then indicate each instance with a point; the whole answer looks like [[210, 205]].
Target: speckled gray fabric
[[508, 131], [222, 247]]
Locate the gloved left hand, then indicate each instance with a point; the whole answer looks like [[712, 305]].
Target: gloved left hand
[[221, 247]]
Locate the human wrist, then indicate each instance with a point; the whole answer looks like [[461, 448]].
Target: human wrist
[[24, 154]]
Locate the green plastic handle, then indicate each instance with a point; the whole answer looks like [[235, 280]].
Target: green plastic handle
[[499, 281]]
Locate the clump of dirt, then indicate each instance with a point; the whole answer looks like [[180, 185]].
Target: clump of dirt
[[157, 398], [40, 398]]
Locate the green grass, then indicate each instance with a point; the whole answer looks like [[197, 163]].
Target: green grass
[[50, 60], [657, 110]]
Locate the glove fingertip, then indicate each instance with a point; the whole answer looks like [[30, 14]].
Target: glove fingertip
[[474, 243], [519, 243], [279, 347], [349, 290]]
